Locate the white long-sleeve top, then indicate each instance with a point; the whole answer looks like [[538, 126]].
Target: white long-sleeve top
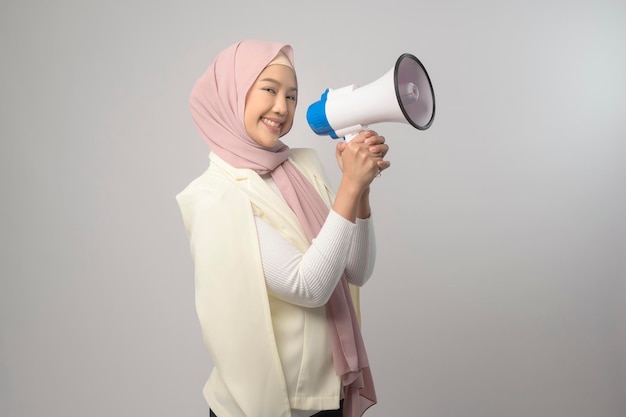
[[308, 279]]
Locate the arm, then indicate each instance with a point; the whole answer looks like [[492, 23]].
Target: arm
[[365, 151], [343, 244], [362, 256], [360, 160], [307, 279]]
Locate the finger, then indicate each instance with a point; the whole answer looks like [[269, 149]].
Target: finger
[[375, 140], [361, 137], [382, 165], [379, 150]]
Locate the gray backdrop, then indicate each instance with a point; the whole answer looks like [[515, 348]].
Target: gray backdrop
[[500, 283]]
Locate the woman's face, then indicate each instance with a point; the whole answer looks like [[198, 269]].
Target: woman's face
[[270, 105]]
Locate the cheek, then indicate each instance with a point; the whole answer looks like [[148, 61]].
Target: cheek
[[249, 121], [250, 113], [286, 127], [251, 106], [246, 118]]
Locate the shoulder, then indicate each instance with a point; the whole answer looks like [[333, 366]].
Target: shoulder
[[304, 155], [212, 193], [307, 160], [211, 184]]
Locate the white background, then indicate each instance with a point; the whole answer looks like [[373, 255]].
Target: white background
[[500, 283]]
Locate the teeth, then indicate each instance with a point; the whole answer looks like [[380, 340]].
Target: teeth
[[269, 122]]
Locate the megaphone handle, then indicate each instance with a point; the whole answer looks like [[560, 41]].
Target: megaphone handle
[[350, 136]]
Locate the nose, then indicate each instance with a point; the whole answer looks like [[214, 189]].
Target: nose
[[280, 105]]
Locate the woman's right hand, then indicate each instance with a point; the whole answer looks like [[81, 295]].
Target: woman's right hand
[[362, 159]]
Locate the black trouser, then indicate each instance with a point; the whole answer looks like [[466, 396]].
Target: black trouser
[[326, 413]]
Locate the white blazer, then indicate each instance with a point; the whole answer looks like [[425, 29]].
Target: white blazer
[[270, 356]]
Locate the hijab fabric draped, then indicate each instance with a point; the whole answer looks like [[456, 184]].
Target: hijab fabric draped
[[217, 106]]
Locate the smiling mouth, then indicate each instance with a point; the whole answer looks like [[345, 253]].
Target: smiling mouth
[[271, 123]]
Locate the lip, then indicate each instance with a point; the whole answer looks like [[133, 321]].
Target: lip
[[279, 122]]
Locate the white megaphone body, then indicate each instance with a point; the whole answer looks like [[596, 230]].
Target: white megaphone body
[[403, 95]]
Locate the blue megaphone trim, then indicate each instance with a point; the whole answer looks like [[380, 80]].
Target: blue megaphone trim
[[316, 117]]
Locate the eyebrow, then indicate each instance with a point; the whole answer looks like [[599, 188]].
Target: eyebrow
[[277, 82]]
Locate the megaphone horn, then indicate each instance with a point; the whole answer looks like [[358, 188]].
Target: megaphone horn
[[403, 95]]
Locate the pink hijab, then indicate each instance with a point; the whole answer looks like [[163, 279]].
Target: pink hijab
[[217, 106]]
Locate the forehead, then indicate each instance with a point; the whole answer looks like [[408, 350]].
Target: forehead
[[278, 73]]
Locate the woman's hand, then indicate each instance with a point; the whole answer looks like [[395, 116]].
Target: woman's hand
[[360, 160], [365, 156]]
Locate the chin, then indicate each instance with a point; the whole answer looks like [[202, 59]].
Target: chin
[[267, 142]]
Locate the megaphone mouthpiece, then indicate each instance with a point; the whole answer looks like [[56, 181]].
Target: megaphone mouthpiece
[[316, 116]]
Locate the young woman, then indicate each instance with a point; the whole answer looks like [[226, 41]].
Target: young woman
[[278, 255]]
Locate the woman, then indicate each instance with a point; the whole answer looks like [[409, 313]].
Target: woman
[[278, 256]]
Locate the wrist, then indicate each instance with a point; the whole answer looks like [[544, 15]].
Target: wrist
[[364, 210], [352, 189]]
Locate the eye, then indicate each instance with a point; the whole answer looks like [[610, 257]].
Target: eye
[[269, 90], [292, 98]]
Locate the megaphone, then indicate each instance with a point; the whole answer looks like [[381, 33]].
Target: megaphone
[[403, 95]]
